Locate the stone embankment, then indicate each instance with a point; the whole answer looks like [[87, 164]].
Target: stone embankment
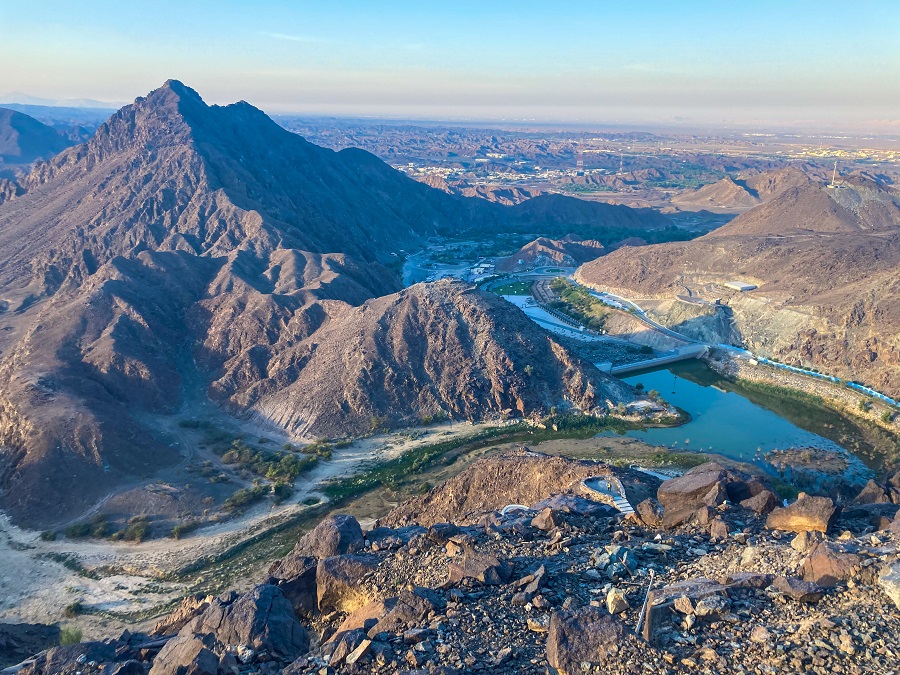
[[845, 399], [710, 574]]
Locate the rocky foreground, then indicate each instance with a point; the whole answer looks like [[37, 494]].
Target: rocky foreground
[[737, 584]]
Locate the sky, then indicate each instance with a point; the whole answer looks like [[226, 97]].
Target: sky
[[758, 63]]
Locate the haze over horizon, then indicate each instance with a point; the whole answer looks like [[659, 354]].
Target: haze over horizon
[[804, 64]]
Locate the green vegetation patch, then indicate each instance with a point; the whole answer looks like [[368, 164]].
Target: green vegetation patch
[[247, 497], [578, 303], [274, 466]]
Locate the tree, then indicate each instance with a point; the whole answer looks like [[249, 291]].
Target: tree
[[529, 370]]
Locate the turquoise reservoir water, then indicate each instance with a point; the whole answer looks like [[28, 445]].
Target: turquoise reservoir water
[[726, 422]]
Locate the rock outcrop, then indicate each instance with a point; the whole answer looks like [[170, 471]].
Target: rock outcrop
[[507, 597], [804, 515]]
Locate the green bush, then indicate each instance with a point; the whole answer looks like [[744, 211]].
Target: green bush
[[887, 417], [183, 529], [74, 609], [282, 491], [97, 527], [70, 635], [284, 467], [243, 498], [137, 529], [48, 536]]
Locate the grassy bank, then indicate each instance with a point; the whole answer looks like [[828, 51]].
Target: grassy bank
[[393, 473], [876, 446]]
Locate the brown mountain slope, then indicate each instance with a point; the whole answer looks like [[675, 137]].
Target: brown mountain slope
[[430, 349], [188, 248], [724, 194], [857, 206], [768, 184], [827, 263], [568, 252], [742, 193]]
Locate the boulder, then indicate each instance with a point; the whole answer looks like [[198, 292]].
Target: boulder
[[615, 601], [827, 567], [368, 615], [718, 529], [262, 619], [588, 636], [188, 608], [805, 514], [705, 514], [187, 654], [703, 485], [480, 566], [440, 533], [858, 517], [338, 584], [673, 517], [547, 519], [650, 511], [575, 504], [336, 535], [686, 593], [761, 503], [387, 538], [889, 581], [70, 659], [806, 540], [798, 589], [873, 493], [344, 644], [410, 609], [296, 576]]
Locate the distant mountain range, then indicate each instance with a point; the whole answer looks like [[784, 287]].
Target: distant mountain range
[[17, 97], [24, 140], [189, 251]]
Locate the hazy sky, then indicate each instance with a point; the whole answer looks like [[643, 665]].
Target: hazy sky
[[823, 62]]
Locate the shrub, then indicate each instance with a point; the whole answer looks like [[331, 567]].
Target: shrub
[[865, 405], [246, 497], [182, 529], [48, 536], [282, 491], [70, 635], [137, 529], [72, 610], [887, 416], [98, 527]]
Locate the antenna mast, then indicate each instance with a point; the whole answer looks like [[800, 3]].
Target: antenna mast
[[833, 176]]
